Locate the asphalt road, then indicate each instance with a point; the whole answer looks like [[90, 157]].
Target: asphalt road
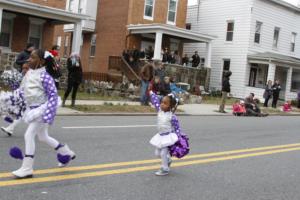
[[231, 158]]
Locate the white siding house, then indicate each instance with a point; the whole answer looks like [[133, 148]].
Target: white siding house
[[246, 44]]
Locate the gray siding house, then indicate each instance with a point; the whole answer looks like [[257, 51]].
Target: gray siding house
[[258, 40]]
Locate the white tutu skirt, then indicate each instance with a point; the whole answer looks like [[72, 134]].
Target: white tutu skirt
[[161, 141]]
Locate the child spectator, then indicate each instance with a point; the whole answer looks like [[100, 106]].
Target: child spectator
[[287, 106], [239, 108]]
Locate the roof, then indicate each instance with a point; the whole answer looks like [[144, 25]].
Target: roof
[[20, 6], [286, 4], [188, 35], [274, 57]]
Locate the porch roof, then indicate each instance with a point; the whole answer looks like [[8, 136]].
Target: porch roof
[[274, 57], [60, 16], [187, 35]]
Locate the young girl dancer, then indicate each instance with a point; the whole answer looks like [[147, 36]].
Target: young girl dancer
[[168, 130], [42, 100]]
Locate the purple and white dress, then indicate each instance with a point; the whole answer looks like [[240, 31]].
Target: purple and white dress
[[167, 125], [40, 95]]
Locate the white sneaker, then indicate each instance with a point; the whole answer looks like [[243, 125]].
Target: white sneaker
[[7, 131], [26, 170], [162, 172]]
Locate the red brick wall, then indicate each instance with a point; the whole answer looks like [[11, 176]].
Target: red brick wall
[[51, 3], [136, 12]]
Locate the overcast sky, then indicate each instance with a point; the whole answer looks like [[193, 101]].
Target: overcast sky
[[191, 2]]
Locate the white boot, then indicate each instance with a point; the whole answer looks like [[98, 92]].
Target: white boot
[[26, 170], [7, 130], [65, 150]]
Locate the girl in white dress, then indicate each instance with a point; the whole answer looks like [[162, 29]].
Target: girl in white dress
[[168, 129]]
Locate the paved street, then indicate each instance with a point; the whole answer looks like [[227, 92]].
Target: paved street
[[231, 159]]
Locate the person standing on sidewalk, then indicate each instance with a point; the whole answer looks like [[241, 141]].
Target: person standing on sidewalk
[[225, 90], [276, 90], [74, 77], [268, 93], [147, 73]]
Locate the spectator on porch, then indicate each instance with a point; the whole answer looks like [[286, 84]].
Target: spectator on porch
[[125, 55], [276, 90], [185, 60], [135, 54], [166, 56], [196, 59], [149, 53], [142, 54], [24, 56]]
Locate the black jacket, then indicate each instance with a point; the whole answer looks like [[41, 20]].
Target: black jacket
[[22, 58], [226, 85], [276, 89], [75, 72]]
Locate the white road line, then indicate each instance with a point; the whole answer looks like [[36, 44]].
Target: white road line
[[90, 127]]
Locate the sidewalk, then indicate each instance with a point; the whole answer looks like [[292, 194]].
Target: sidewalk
[[188, 109]]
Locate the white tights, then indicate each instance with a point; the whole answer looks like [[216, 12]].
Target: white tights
[[164, 154], [40, 129]]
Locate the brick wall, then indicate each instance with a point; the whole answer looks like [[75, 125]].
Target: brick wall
[[51, 3]]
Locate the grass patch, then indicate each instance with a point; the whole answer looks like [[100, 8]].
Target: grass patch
[[110, 108], [92, 96], [120, 108], [217, 100]]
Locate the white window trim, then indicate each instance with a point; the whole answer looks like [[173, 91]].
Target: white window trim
[[94, 35], [147, 17], [276, 47], [58, 42], [227, 22], [261, 30], [293, 34], [39, 22], [170, 22], [11, 17]]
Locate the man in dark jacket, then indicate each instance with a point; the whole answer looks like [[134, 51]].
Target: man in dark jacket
[[196, 59], [147, 72], [225, 90], [24, 56], [276, 90]]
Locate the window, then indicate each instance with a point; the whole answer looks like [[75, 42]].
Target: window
[[80, 6], [230, 29], [276, 37], [149, 8], [295, 80], [172, 11], [257, 32], [188, 26], [93, 45], [6, 32], [258, 75], [35, 34], [58, 42], [71, 5], [66, 46], [293, 42]]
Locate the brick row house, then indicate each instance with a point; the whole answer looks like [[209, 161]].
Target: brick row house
[[126, 24], [34, 21]]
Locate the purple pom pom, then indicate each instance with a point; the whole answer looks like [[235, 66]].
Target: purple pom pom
[[63, 159], [8, 119], [16, 153]]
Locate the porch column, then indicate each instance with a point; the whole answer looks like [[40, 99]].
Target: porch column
[[208, 55], [288, 83], [271, 72], [157, 48], [1, 13], [77, 36]]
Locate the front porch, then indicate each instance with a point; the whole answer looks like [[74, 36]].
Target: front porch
[[23, 22], [269, 66]]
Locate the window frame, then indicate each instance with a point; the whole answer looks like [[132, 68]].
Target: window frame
[[38, 22], [275, 45], [175, 17], [227, 32], [93, 45], [293, 42], [260, 31], [10, 31], [66, 46], [292, 82], [153, 6]]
